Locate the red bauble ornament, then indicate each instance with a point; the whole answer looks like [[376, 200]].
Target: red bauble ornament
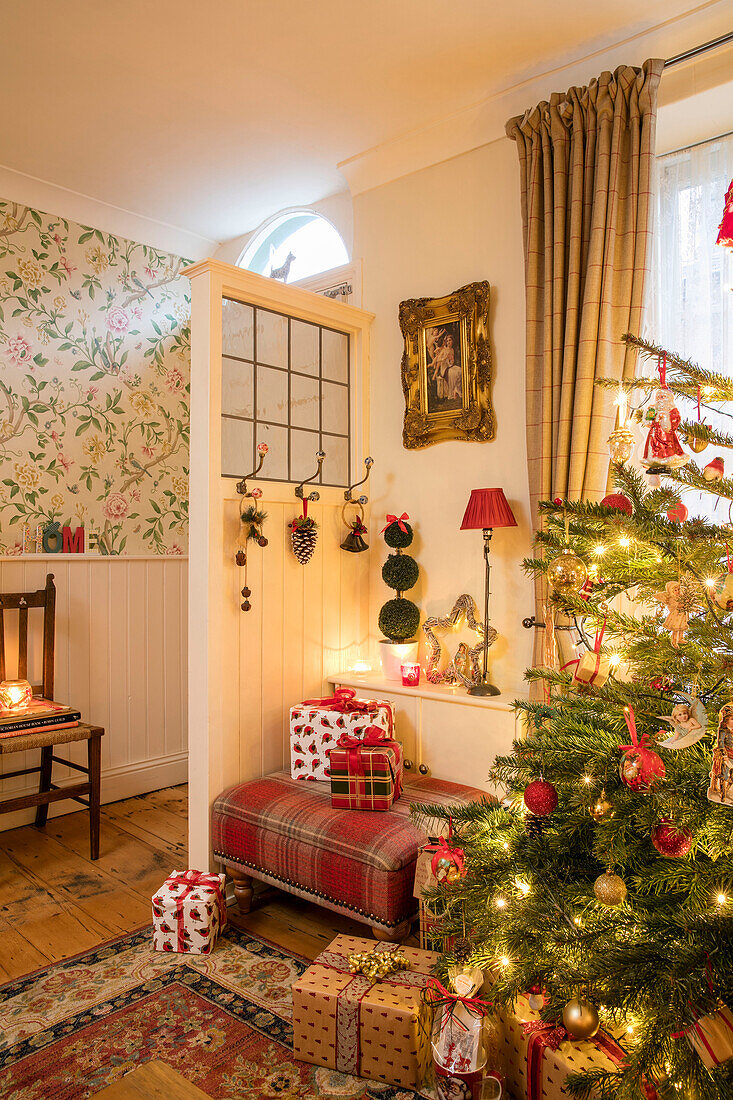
[[640, 766], [540, 797], [671, 842], [619, 502], [678, 513]]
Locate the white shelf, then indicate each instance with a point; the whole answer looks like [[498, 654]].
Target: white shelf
[[374, 682]]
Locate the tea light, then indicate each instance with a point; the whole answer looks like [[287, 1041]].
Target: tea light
[[410, 674], [15, 694]]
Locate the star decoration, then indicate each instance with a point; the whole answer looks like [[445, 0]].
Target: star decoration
[[464, 667]]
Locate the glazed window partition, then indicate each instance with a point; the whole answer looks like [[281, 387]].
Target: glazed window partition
[[285, 382]]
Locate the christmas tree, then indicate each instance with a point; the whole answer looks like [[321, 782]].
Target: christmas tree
[[605, 876]]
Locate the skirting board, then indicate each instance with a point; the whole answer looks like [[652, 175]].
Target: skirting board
[[125, 781]]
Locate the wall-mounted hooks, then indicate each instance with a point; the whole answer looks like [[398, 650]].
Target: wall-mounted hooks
[[320, 455], [241, 486], [368, 462]]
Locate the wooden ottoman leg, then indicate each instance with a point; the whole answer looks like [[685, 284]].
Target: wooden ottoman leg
[[44, 785], [94, 763], [243, 890], [393, 935]]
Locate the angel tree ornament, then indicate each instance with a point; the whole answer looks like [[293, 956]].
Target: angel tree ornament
[[721, 773], [681, 599], [688, 721], [663, 450]]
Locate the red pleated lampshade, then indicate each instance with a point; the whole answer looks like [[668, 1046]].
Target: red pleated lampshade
[[487, 508]]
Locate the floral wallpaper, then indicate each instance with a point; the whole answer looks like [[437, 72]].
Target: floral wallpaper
[[94, 386]]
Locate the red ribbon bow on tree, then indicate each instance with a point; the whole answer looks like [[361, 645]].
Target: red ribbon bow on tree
[[640, 745], [400, 521]]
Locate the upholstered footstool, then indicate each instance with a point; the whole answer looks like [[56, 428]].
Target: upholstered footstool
[[361, 863]]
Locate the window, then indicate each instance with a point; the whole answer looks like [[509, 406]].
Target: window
[[299, 243], [692, 285], [285, 382]]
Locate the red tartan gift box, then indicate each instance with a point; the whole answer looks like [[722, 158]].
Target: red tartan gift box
[[317, 724], [189, 911], [366, 773]]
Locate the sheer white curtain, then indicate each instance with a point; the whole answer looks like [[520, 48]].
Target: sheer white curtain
[[691, 303]]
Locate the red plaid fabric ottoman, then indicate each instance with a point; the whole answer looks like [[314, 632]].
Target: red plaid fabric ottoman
[[355, 862]]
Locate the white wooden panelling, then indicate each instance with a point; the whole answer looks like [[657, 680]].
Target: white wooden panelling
[[120, 658], [305, 622]]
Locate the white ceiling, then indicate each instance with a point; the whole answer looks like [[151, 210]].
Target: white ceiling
[[211, 114]]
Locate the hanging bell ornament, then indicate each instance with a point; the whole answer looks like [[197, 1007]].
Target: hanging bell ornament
[[246, 605], [697, 446], [621, 444], [262, 541], [354, 543], [580, 1019], [246, 592], [240, 557], [566, 574]]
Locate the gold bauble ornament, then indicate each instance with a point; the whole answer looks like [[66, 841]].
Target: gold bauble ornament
[[602, 809], [567, 573], [580, 1019], [621, 444], [610, 889]]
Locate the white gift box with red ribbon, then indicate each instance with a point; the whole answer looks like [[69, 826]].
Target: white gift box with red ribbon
[[189, 911], [317, 724]]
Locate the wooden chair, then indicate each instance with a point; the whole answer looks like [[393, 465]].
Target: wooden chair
[[48, 791]]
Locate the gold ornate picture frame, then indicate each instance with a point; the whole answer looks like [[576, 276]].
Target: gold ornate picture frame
[[446, 368]]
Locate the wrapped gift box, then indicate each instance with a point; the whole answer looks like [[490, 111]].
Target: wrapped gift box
[[366, 771], [189, 911], [379, 1030], [712, 1036], [538, 1057], [317, 724]]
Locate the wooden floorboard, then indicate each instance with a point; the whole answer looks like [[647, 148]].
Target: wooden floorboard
[[55, 902]]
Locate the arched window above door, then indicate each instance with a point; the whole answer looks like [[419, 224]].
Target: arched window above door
[[295, 245]]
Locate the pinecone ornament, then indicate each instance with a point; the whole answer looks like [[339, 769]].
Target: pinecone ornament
[[534, 825], [303, 538], [462, 949]]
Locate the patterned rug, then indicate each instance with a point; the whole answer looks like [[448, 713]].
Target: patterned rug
[[221, 1021]]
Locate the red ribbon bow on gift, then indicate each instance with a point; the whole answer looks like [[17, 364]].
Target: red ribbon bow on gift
[[400, 521], [374, 737], [552, 1034], [190, 880], [444, 851], [345, 701], [436, 994]]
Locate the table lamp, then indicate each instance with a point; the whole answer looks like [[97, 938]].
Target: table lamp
[[486, 509]]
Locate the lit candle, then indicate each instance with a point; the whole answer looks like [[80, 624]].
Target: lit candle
[[621, 401], [410, 674], [15, 694]]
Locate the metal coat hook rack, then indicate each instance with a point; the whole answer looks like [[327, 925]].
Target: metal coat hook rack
[[242, 485], [320, 455], [368, 462]]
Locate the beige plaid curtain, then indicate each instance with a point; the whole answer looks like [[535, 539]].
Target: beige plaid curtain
[[586, 162]]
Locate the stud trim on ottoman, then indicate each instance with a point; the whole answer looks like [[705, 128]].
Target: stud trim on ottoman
[[354, 862]]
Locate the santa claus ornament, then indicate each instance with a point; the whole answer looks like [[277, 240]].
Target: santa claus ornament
[[663, 450], [640, 768]]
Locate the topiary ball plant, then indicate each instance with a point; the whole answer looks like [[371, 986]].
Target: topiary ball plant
[[399, 618], [400, 572]]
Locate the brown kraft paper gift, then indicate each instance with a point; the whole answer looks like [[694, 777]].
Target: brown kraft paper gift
[[379, 1030]]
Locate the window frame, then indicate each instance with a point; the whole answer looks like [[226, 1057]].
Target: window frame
[[267, 227]]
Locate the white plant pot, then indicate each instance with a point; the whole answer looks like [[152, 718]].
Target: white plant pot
[[395, 654]]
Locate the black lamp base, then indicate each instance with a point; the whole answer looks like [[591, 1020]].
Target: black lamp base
[[483, 689]]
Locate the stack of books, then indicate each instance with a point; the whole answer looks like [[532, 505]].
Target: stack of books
[[40, 716]]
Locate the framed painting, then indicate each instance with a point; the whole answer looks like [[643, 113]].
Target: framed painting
[[446, 368]]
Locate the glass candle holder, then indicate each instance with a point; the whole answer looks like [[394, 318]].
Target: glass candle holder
[[15, 694], [410, 674]]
